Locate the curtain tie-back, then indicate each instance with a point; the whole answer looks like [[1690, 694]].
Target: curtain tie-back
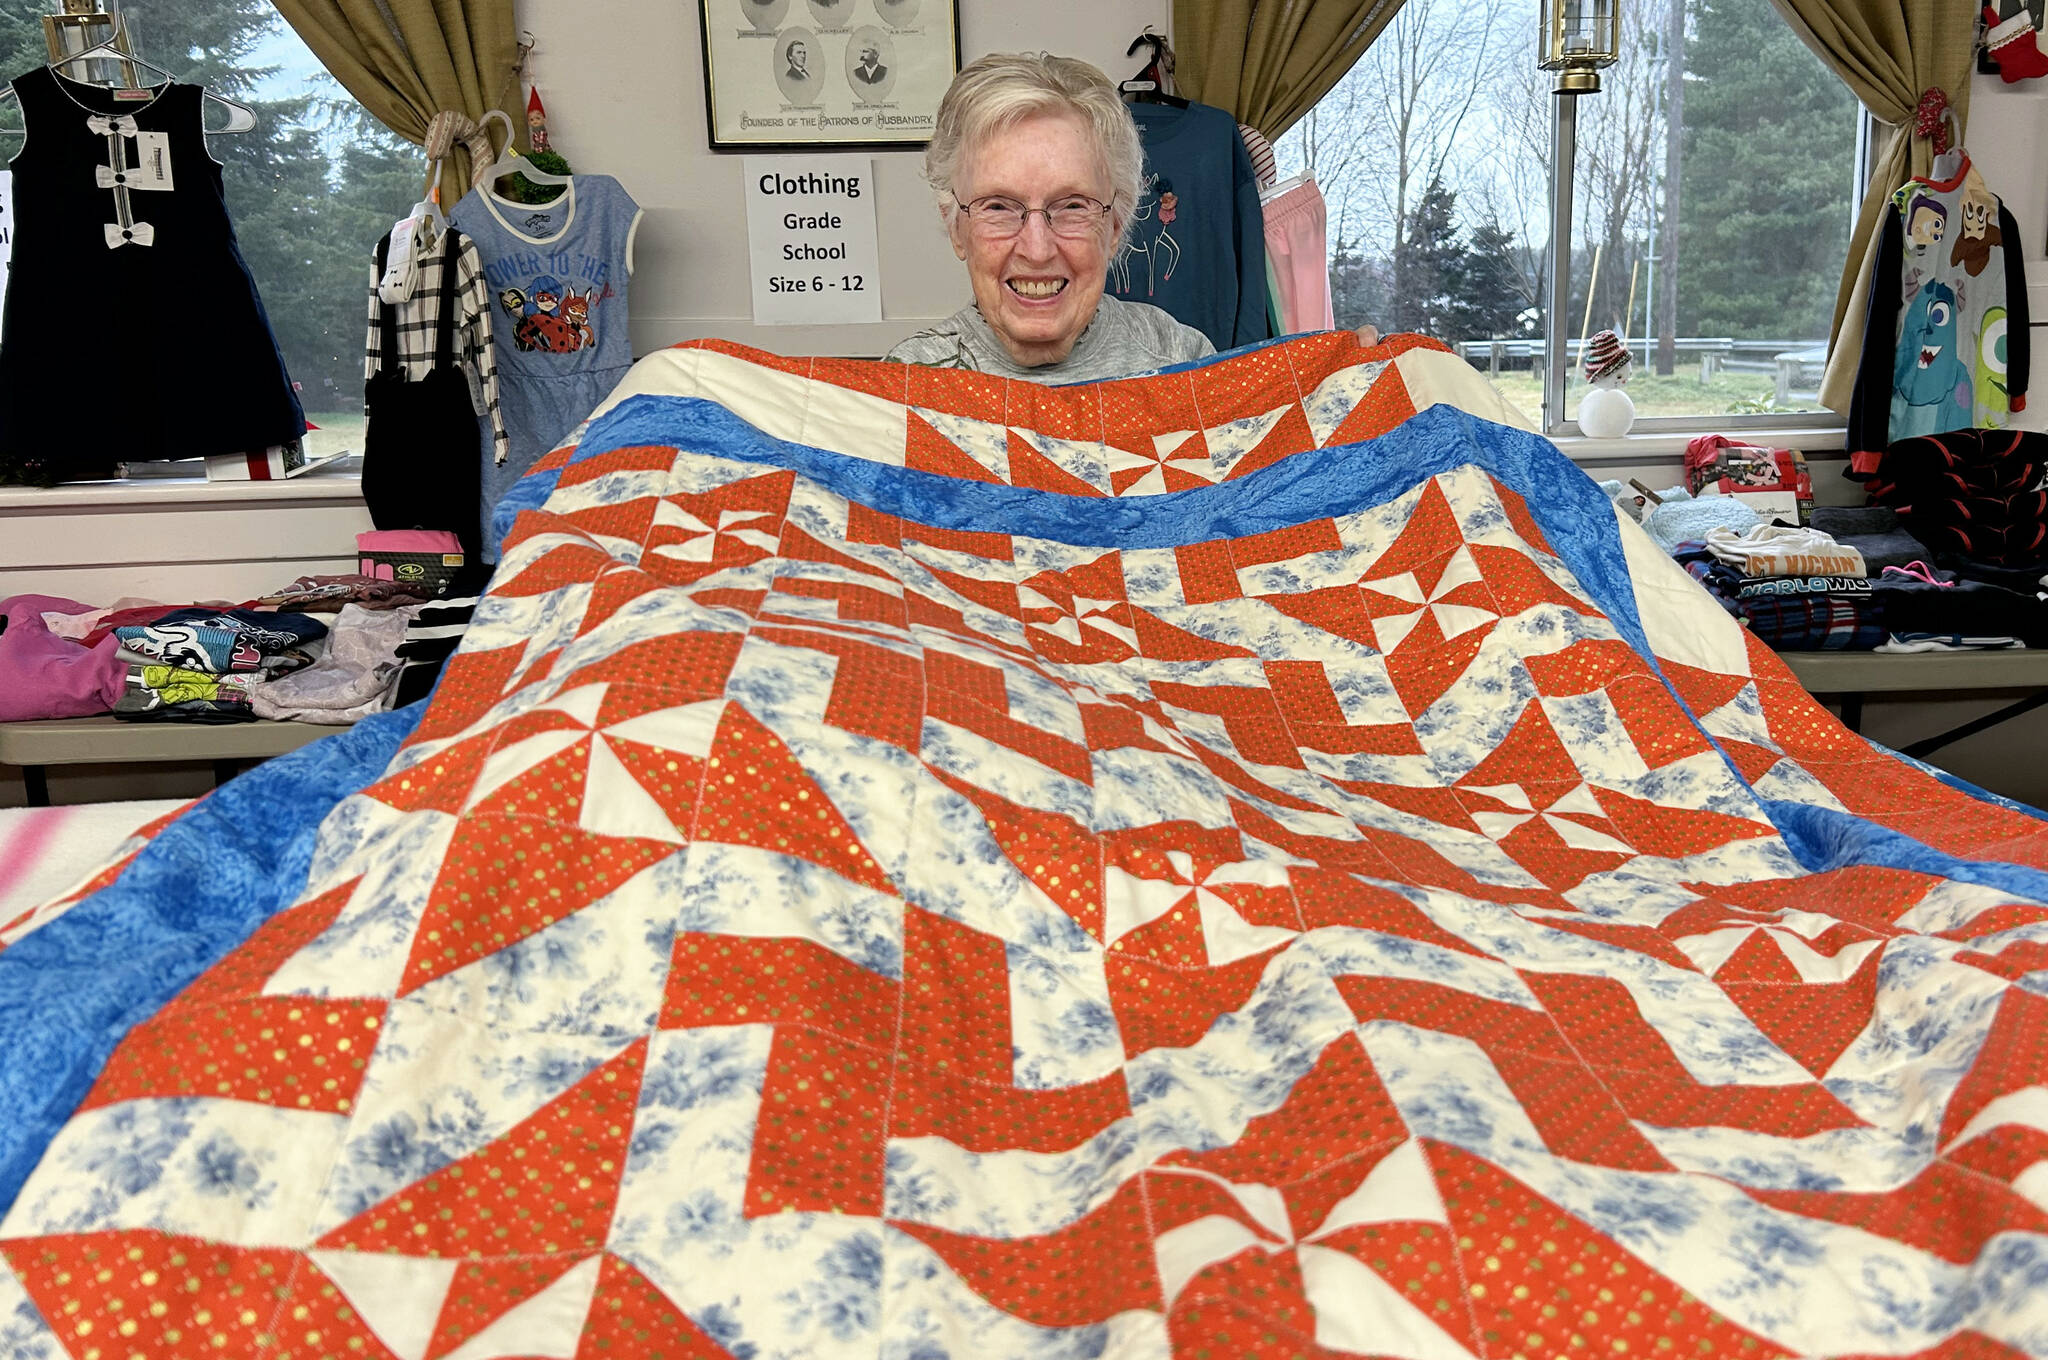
[[1928, 122], [449, 127]]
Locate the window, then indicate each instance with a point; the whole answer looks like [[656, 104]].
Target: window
[[1712, 195], [310, 190]]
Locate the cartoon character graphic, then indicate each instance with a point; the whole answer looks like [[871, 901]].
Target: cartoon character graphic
[[1931, 389], [1980, 231], [576, 315], [1993, 401], [560, 323], [1149, 237], [513, 300], [1926, 223]]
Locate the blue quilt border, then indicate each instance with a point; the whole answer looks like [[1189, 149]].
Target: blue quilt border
[[70, 991]]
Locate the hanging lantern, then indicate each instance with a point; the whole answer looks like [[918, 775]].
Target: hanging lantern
[[1579, 38]]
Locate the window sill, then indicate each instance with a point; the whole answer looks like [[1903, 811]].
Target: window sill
[[1663, 444], [329, 487]]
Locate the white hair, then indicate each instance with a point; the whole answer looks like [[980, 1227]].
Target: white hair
[[998, 91]]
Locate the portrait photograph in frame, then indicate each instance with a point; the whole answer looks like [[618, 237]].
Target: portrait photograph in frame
[[798, 75]]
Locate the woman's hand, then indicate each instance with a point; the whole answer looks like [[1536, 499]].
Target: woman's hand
[[1368, 335]]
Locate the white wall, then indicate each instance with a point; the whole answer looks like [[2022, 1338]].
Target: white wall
[[624, 85], [2007, 126]]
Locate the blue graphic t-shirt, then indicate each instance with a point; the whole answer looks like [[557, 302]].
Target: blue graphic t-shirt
[[557, 275], [1197, 247]]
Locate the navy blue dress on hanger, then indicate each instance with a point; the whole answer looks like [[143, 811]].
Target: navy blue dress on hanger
[[133, 328]]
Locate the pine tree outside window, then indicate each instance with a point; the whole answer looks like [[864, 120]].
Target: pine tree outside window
[[1713, 190]]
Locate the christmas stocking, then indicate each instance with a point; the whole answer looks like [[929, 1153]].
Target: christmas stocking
[[2013, 45]]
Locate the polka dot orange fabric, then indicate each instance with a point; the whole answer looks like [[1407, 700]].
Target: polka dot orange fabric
[[910, 865]]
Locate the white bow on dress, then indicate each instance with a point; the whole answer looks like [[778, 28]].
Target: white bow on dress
[[107, 127], [141, 234]]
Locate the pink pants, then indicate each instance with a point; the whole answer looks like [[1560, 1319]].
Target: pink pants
[[1297, 247]]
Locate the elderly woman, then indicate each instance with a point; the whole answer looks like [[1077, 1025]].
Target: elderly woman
[[1038, 167]]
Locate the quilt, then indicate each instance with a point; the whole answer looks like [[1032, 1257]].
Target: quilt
[[1255, 860]]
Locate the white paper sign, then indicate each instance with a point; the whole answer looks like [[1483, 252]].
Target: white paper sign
[[811, 238]]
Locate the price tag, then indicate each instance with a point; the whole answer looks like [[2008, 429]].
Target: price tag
[[153, 162], [811, 239]]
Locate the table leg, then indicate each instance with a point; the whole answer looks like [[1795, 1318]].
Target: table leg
[[35, 781], [1927, 746]]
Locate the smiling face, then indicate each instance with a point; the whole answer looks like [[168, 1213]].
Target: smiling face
[[1036, 290], [1927, 367]]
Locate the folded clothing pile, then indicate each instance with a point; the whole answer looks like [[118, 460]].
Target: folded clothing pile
[[1975, 493], [214, 641], [1930, 609], [209, 662], [1796, 589], [353, 677], [1875, 532], [1677, 516], [1803, 590], [1776, 550], [328, 594], [159, 693]]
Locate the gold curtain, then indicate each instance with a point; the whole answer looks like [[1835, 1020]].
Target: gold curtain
[[1887, 52], [407, 60], [1268, 61]]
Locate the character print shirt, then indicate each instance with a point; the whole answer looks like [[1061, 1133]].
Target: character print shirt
[[1945, 337], [557, 275], [1197, 240], [419, 320]]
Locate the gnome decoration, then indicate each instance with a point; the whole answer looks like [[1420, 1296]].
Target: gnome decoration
[[1606, 412], [537, 121]]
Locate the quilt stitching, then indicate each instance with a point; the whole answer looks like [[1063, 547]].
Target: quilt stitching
[[1347, 956]]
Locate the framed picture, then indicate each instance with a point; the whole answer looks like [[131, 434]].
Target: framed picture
[[796, 75]]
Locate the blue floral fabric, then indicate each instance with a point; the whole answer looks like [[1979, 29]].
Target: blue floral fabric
[[850, 895]]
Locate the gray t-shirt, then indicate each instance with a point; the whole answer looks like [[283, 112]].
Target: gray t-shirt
[[1124, 338]]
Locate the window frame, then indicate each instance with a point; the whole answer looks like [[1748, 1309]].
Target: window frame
[[1556, 368]]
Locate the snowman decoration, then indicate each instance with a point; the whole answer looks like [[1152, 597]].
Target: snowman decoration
[[1606, 412]]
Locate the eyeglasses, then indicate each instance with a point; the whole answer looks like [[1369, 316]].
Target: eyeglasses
[[998, 218]]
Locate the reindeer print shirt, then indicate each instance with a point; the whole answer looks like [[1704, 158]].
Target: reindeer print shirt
[[1196, 244]]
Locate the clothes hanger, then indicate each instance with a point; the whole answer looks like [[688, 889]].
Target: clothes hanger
[[1293, 181], [412, 238], [1949, 163], [241, 118], [1307, 173], [512, 162], [1150, 85]]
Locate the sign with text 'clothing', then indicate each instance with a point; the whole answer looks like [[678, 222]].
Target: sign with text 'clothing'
[[811, 239]]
